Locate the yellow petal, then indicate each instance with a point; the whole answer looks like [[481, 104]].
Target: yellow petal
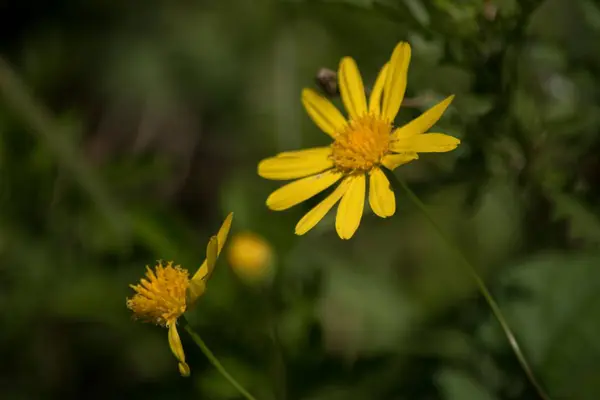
[[297, 164], [221, 239], [195, 289], [300, 190], [425, 121], [395, 83], [308, 152], [323, 113], [317, 213], [224, 232], [177, 349], [184, 369], [381, 196], [393, 161], [197, 283], [175, 342], [351, 207], [427, 143], [375, 98], [351, 88], [212, 252]]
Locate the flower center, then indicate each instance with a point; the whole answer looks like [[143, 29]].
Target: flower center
[[160, 299], [361, 145]]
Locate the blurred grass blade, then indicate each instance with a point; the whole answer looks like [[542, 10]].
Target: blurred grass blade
[[41, 123]]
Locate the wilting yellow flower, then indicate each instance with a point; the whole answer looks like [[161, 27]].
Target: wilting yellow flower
[[363, 143], [250, 256], [168, 292]]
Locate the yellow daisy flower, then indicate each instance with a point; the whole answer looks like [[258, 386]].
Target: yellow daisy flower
[[363, 143], [168, 292]]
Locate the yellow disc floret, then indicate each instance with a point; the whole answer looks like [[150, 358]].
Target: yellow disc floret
[[160, 298], [361, 145]]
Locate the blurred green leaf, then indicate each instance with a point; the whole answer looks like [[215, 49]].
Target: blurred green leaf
[[360, 3], [457, 385], [591, 13], [418, 10], [556, 323], [473, 106], [583, 223], [214, 385], [363, 313]]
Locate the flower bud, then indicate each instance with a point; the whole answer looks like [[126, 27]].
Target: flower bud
[[250, 256]]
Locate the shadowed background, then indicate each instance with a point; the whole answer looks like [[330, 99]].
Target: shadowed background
[[128, 132]]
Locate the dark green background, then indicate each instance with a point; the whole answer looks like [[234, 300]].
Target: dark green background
[[128, 130]]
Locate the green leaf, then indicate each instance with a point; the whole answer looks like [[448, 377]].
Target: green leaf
[[215, 386], [457, 385], [357, 315], [591, 13], [418, 10], [359, 3], [471, 105], [583, 223], [558, 323]]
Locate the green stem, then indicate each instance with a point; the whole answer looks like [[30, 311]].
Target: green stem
[[215, 362], [480, 284]]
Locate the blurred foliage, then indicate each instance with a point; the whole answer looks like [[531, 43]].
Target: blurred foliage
[[128, 132]]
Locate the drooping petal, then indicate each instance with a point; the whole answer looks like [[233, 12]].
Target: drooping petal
[[177, 349], [395, 83], [381, 196], [296, 165], [198, 282], [221, 239], [350, 210], [184, 369], [423, 122], [300, 190], [375, 98], [427, 143], [323, 112], [315, 215], [393, 161], [351, 88]]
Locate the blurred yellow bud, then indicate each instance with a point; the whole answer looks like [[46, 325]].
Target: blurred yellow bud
[[250, 256]]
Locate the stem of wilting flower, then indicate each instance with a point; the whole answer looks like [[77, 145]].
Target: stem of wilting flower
[[480, 284], [214, 361]]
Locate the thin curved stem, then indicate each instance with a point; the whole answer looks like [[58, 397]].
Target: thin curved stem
[[215, 362], [480, 284]]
